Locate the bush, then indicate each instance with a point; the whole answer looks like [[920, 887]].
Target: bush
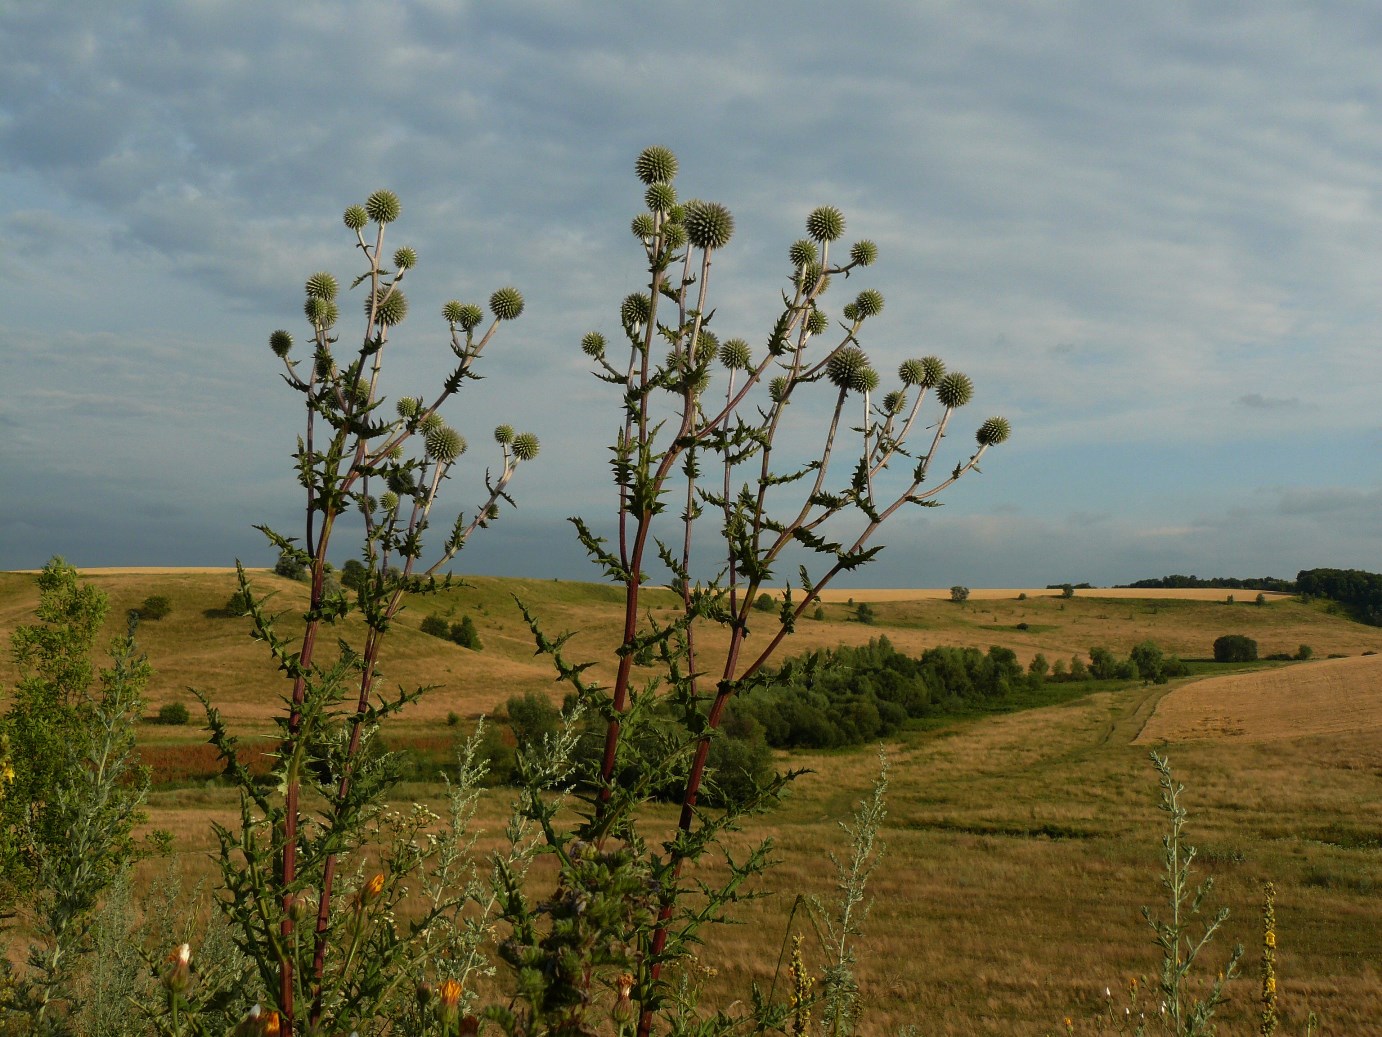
[[819, 613], [1304, 652], [958, 593], [436, 627], [290, 566], [865, 613], [465, 634], [238, 604], [1261, 598], [155, 607], [764, 603], [173, 714], [1067, 590], [1235, 648]]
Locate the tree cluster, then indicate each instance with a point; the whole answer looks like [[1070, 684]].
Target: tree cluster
[[1357, 590]]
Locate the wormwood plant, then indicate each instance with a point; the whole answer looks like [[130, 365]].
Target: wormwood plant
[[726, 490], [327, 951]]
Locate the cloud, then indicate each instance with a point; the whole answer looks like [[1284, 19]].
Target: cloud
[[1256, 401]]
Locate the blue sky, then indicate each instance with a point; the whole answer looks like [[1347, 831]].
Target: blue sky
[[1151, 233]]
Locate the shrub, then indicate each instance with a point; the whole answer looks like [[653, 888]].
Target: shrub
[[1304, 652], [819, 613], [238, 604], [465, 634], [155, 607], [174, 714], [436, 626], [864, 613], [291, 564], [764, 603], [1067, 590], [1235, 648], [1261, 599], [958, 593]]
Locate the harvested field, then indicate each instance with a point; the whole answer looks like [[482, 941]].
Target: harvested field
[[835, 594], [1327, 697]]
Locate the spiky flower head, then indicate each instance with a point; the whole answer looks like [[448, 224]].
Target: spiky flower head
[[445, 444], [674, 234], [846, 368], [593, 344], [383, 206], [656, 165], [401, 483], [506, 303], [465, 316], [660, 197], [850, 311], [867, 381], [390, 307], [408, 406], [322, 285], [432, 421], [869, 303], [321, 313], [817, 322], [709, 225], [707, 343], [777, 388], [808, 275], [894, 401], [359, 392], [324, 364], [525, 446], [925, 372], [396, 454], [388, 501], [734, 354], [863, 252], [281, 343], [803, 252], [954, 390], [503, 434], [634, 310], [826, 223], [355, 217], [405, 258], [643, 226], [993, 431], [367, 505]]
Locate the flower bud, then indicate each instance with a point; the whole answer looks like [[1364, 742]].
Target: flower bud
[[803, 252], [281, 343], [817, 322], [864, 252], [826, 223], [709, 225], [674, 235], [383, 206], [371, 890], [954, 390], [734, 354], [993, 431], [503, 434], [506, 303], [525, 446], [355, 217], [660, 196], [643, 226], [869, 303], [178, 977], [656, 165], [390, 306], [445, 444], [593, 345], [924, 372], [634, 310], [321, 285], [405, 258]]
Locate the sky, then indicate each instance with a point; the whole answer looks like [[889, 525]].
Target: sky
[[1150, 233]]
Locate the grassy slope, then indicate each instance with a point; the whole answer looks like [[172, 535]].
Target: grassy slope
[[1020, 846]]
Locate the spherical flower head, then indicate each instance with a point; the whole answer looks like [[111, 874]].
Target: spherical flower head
[[660, 197], [674, 235], [324, 364], [817, 322], [408, 406], [634, 310], [390, 307], [463, 315], [322, 285], [432, 421], [359, 392], [734, 354], [656, 165], [405, 258], [709, 225], [826, 223], [707, 343], [865, 252], [808, 275], [993, 431], [445, 444], [388, 501], [281, 342], [643, 226], [869, 303], [503, 434], [593, 345], [846, 367], [355, 217], [866, 381], [321, 313], [850, 312], [925, 371], [506, 303], [777, 388], [954, 390], [803, 252], [383, 206], [178, 977], [525, 446], [894, 402]]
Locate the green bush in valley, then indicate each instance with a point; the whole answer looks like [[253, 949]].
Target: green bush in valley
[[865, 613], [155, 607], [1304, 652], [436, 626], [465, 634], [764, 602], [174, 714], [1235, 648]]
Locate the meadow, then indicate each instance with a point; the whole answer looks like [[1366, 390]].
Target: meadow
[[1019, 846]]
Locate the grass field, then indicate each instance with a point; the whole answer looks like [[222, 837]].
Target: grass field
[[1020, 847]]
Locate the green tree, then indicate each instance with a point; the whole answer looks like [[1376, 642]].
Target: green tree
[[958, 593], [1235, 648], [465, 634], [865, 613], [156, 607]]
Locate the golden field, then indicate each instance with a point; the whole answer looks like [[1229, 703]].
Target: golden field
[[1020, 847]]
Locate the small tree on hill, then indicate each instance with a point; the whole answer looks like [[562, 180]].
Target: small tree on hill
[[1235, 648], [465, 634], [958, 593]]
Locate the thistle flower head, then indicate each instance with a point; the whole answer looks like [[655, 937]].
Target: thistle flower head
[[388, 501], [506, 303], [817, 322], [826, 223], [634, 310], [444, 443], [954, 390], [525, 446], [656, 165], [849, 369], [593, 344], [850, 312], [405, 258], [355, 217], [503, 434], [324, 364], [894, 402], [320, 313], [707, 343], [643, 226], [408, 406], [432, 421], [281, 342], [734, 354], [465, 316], [383, 206], [674, 235], [865, 252], [709, 225], [925, 372], [803, 252], [993, 431], [777, 388], [322, 285], [390, 307], [660, 196], [810, 277], [868, 303]]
